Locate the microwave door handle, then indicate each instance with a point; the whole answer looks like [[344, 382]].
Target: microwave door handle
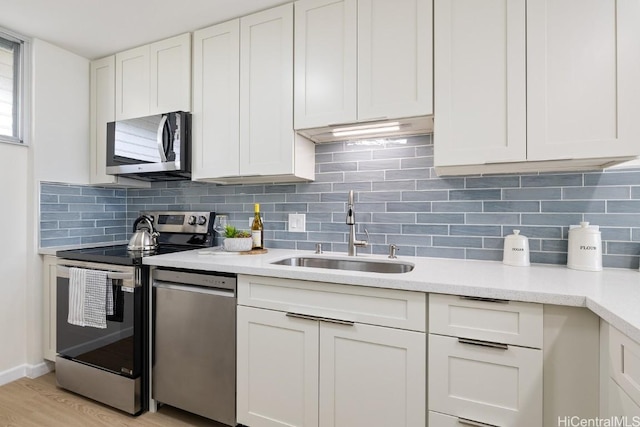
[[160, 139]]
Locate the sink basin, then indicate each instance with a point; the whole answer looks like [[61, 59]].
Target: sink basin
[[369, 266]]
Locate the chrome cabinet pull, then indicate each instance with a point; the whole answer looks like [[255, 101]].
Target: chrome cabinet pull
[[319, 319], [483, 343], [495, 300], [468, 422]]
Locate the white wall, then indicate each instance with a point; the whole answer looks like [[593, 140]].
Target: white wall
[[58, 150], [13, 259]]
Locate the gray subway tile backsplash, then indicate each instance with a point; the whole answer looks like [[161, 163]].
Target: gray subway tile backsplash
[[399, 199]]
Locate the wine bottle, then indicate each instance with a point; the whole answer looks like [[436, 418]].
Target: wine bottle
[[257, 228]]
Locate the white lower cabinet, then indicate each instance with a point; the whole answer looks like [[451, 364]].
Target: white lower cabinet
[[49, 282], [486, 382], [311, 365], [371, 376], [477, 376], [620, 379], [277, 369], [496, 362], [619, 403]]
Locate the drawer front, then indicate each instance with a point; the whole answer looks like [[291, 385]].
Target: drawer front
[[495, 386], [383, 307], [624, 365], [437, 419], [507, 322]]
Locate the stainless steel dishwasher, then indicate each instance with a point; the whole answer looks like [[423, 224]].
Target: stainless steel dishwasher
[[194, 342]]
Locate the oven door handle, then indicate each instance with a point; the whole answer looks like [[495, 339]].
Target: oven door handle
[[63, 272]]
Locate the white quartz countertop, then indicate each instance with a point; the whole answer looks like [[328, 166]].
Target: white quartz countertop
[[613, 294]]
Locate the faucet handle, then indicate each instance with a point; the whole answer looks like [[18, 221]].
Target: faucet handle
[[392, 251], [363, 243]]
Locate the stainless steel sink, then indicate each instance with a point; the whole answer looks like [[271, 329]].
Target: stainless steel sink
[[369, 266]]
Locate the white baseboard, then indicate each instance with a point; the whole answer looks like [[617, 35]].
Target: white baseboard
[[35, 371], [12, 374], [29, 371]]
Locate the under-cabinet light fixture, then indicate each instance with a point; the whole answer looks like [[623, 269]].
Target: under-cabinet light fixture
[[366, 129]]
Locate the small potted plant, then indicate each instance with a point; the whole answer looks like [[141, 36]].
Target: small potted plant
[[237, 240]]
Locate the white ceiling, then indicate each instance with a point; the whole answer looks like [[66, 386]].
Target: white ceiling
[[97, 28]]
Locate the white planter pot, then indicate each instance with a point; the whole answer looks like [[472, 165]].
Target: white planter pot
[[238, 244]]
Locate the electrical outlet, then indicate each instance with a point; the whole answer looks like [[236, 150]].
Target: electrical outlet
[[297, 223]]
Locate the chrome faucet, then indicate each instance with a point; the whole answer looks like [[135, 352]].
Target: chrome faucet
[[351, 222]]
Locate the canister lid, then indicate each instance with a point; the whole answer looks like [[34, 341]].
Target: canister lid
[[516, 236], [584, 228]]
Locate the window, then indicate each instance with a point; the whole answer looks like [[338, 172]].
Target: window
[[11, 88]]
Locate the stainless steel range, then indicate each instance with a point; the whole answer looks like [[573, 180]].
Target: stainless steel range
[[107, 358]]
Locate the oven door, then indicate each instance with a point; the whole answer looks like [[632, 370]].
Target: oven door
[[119, 347]]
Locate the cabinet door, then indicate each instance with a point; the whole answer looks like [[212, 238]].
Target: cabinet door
[[620, 404], [325, 62], [170, 75], [266, 92], [501, 387], [102, 111], [49, 282], [582, 78], [277, 369], [395, 66], [132, 83], [480, 82], [624, 363], [216, 101], [371, 376]]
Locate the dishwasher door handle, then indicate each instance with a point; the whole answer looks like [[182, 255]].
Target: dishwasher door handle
[[197, 289]]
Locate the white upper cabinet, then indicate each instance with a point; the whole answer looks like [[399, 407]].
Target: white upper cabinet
[[362, 60], [480, 91], [132, 83], [170, 75], [102, 111], [395, 66], [583, 88], [266, 92], [154, 78], [216, 101], [535, 86], [243, 102], [325, 65]]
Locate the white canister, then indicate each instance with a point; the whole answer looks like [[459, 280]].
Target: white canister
[[516, 250], [585, 247]]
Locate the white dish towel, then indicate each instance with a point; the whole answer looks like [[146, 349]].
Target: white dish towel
[[90, 297]]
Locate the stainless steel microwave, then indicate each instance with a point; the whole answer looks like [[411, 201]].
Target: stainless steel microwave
[[152, 148]]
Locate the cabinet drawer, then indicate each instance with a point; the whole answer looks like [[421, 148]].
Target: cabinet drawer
[[383, 307], [507, 322], [624, 365], [496, 386], [436, 419]]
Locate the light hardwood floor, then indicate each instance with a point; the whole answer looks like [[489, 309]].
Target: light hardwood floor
[[40, 403]]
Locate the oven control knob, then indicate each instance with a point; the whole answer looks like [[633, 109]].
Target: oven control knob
[[191, 220], [202, 220]]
